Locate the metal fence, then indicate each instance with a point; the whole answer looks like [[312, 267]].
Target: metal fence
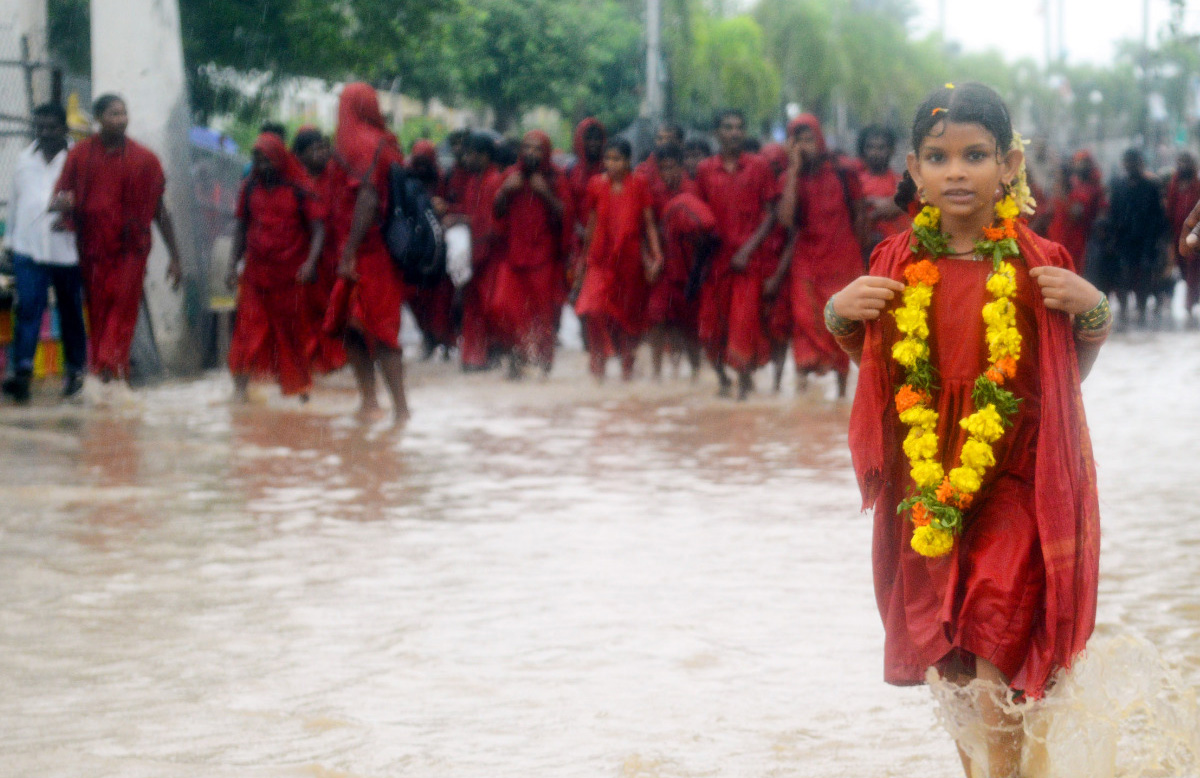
[[18, 71]]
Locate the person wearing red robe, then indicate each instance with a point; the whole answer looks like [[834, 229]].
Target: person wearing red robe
[[777, 296], [1075, 210], [534, 216], [433, 307], [326, 353], [366, 303], [1026, 563], [879, 182], [668, 134], [741, 192], [588, 144], [670, 312], [824, 203], [617, 273], [455, 185], [476, 209], [1010, 599], [1183, 192], [112, 188], [280, 235]]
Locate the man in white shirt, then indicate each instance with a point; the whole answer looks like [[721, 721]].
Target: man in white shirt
[[44, 254]]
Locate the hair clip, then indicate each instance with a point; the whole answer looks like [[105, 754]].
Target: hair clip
[[949, 86], [936, 111]]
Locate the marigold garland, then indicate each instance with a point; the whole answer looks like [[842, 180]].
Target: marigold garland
[[936, 503]]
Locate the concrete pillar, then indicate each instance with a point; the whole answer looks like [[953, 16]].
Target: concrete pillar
[[137, 52]]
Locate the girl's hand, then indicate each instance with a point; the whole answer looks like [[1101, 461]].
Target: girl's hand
[[1065, 291], [866, 297]]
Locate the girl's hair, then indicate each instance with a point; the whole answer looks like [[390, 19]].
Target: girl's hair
[[621, 146], [971, 103], [103, 102]]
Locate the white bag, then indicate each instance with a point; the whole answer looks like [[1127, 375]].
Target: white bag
[[458, 254]]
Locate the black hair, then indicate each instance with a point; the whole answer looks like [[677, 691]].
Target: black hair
[[305, 139], [1133, 155], [52, 111], [724, 114], [752, 145], [103, 102], [621, 146], [671, 151], [876, 131], [508, 151], [275, 128], [698, 144], [482, 143], [970, 103], [461, 135], [906, 192], [675, 130]]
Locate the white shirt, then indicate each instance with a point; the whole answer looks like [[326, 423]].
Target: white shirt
[[28, 230]]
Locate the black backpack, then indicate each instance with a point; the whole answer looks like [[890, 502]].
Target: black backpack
[[412, 232]]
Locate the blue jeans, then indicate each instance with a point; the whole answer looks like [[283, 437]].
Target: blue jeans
[[33, 279]]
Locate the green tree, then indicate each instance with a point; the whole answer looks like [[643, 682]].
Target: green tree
[[728, 68]]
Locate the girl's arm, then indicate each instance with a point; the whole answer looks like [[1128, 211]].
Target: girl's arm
[[863, 299], [1070, 293], [655, 266]]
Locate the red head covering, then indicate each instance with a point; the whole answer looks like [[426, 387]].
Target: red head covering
[[424, 149], [581, 130], [776, 156], [361, 128], [291, 170], [812, 123], [546, 145]]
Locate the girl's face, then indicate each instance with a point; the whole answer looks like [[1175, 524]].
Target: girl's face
[[960, 169], [616, 164]]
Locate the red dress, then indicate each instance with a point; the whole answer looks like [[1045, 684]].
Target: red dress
[[826, 257], [117, 194], [730, 325], [883, 186], [326, 353], [1071, 232], [529, 287], [1182, 196], [684, 219], [372, 305], [1019, 589], [273, 329], [477, 203]]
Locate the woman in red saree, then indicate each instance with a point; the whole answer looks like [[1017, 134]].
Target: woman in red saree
[[1013, 600], [370, 291], [1075, 210], [617, 274], [280, 234]]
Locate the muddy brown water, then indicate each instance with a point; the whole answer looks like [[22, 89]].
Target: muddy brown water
[[545, 579]]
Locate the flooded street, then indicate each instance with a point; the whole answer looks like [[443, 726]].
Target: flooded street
[[551, 579]]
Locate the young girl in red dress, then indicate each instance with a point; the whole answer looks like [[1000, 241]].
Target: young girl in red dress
[[280, 235], [618, 272], [968, 433]]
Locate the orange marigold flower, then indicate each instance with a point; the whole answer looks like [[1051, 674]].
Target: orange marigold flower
[[1010, 229], [907, 397], [920, 514], [993, 233], [948, 495], [995, 376], [923, 272], [1008, 366]]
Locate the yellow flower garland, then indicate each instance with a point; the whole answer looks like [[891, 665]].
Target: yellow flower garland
[[938, 502]]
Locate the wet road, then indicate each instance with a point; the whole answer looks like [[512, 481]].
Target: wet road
[[547, 579]]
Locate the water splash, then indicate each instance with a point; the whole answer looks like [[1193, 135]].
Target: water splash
[[1121, 712]]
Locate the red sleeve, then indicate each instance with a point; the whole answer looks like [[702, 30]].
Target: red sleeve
[[771, 190], [315, 209], [70, 173]]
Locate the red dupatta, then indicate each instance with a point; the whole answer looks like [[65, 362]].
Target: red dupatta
[[1066, 504]]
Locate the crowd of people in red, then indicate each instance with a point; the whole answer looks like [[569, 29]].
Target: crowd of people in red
[[730, 256]]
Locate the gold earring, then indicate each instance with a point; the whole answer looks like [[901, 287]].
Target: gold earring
[[921, 195]]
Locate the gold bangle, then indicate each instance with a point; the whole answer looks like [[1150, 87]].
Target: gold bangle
[[1097, 318]]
